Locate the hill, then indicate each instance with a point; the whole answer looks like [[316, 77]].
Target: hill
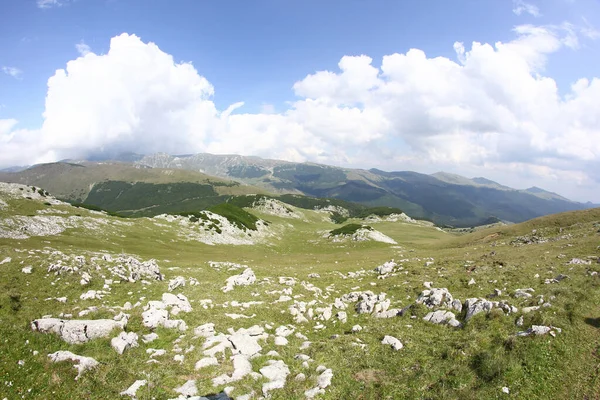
[[277, 300], [444, 198], [128, 189]]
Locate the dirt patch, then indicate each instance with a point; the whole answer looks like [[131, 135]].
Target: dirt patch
[[370, 376]]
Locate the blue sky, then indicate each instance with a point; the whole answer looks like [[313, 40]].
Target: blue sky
[[255, 51]]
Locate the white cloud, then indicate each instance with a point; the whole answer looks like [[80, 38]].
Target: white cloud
[[82, 48], [520, 7], [51, 3], [490, 112], [267, 108], [12, 71]]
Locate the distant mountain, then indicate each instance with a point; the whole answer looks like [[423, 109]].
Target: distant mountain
[[444, 198], [163, 182], [544, 194], [130, 189], [14, 169]]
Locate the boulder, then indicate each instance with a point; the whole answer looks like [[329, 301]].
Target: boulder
[[77, 331], [436, 297], [442, 317], [475, 306]]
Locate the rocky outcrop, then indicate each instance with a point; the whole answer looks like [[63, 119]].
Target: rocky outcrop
[[77, 331]]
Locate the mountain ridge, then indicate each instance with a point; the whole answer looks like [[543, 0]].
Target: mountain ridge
[[445, 198]]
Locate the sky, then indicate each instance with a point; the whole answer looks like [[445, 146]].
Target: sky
[[504, 89]]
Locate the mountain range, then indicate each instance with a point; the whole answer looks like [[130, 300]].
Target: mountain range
[[205, 179]]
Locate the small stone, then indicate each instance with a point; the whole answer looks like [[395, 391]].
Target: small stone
[[395, 343]]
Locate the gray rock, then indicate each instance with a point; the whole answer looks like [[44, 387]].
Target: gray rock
[[132, 390], [386, 268], [324, 380], [436, 297], [245, 278], [475, 306], [537, 330], [276, 372], [124, 341], [176, 282], [523, 293], [82, 363], [177, 302], [206, 362], [245, 344], [205, 330], [188, 389], [442, 317], [392, 341], [77, 331]]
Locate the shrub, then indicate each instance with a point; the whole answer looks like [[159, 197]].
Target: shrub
[[237, 216], [349, 229]]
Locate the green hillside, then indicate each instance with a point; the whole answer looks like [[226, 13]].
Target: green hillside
[[53, 254]]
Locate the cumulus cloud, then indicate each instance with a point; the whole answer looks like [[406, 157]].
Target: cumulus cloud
[[489, 111], [520, 7], [12, 71]]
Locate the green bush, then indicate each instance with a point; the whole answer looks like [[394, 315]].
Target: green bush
[[349, 229], [237, 216]]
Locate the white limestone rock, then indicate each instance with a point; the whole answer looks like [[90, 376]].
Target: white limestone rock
[[124, 341], [176, 282], [77, 331], [188, 389], [392, 341], [276, 372], [244, 279], [132, 390], [82, 363], [206, 362]]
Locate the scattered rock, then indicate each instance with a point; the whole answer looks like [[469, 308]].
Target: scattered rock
[[206, 362], [392, 341], [475, 306], [386, 268], [539, 330], [124, 341], [77, 331], [176, 282], [82, 363], [188, 389], [276, 372], [132, 390], [442, 317], [244, 279]]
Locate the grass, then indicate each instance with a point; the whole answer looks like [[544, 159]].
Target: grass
[[473, 362]]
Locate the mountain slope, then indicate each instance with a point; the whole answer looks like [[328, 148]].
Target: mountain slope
[[128, 189], [444, 198]]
